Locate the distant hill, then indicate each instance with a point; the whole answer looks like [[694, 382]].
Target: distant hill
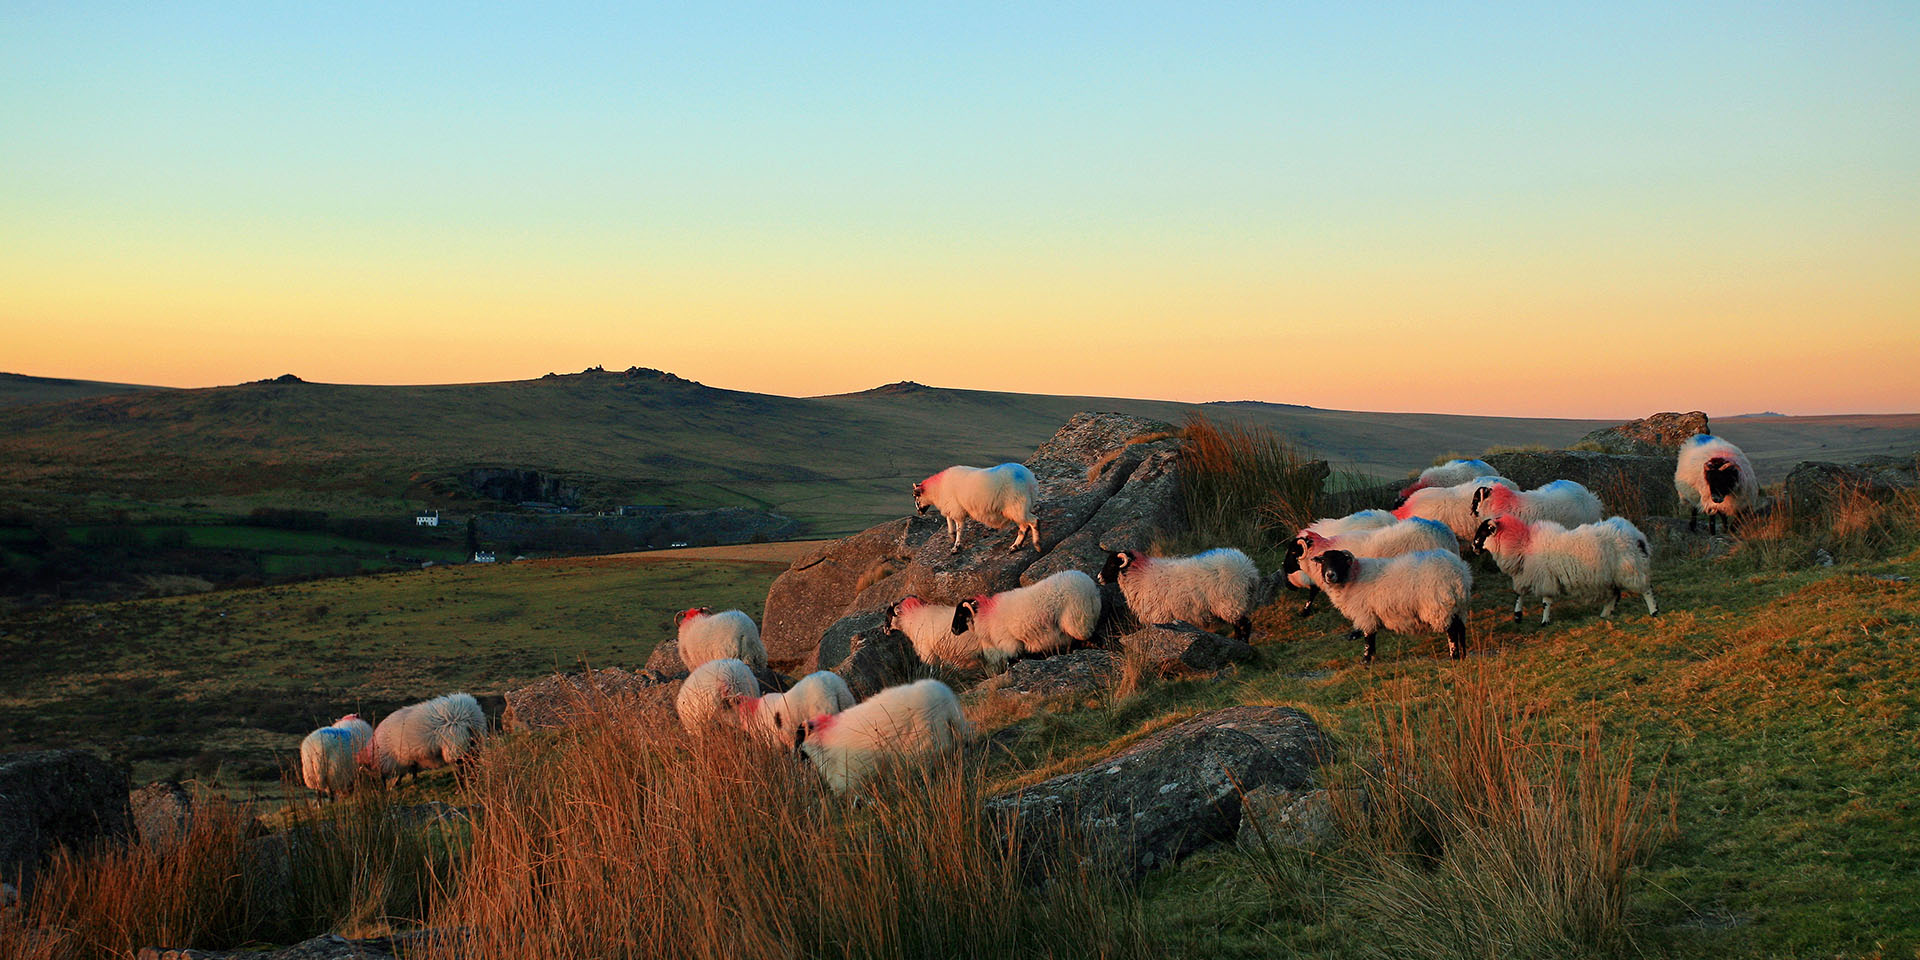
[[18, 388], [837, 463]]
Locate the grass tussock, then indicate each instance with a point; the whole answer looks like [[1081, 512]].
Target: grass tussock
[[1472, 829], [357, 868], [618, 841], [1244, 486], [1848, 522]]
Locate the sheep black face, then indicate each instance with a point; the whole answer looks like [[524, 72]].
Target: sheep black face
[[893, 616], [963, 616], [1722, 476], [920, 501], [1336, 567], [1290, 561], [1485, 531], [683, 616], [1116, 562], [1479, 494]]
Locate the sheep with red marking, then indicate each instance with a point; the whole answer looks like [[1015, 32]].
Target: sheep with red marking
[[929, 627], [425, 736], [1713, 477], [1548, 560], [995, 496], [1046, 617], [327, 755], [1403, 537], [710, 693], [781, 718], [1451, 473], [705, 635], [1452, 506], [898, 723], [1416, 592], [1564, 502], [1214, 585]]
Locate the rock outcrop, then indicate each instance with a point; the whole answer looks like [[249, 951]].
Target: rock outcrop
[[326, 947], [162, 812], [564, 699], [58, 798], [1657, 436], [1106, 481], [1172, 793], [1814, 484], [1080, 672], [1179, 649]]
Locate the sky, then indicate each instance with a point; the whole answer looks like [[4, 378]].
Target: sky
[[1524, 209]]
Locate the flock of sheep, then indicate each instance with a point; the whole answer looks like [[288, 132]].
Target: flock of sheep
[[1398, 570]]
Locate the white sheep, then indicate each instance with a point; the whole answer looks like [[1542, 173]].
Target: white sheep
[[1563, 502], [1327, 527], [1217, 584], [425, 736], [705, 635], [1548, 560], [780, 718], [327, 755], [1039, 619], [1406, 536], [1713, 477], [929, 627], [995, 496], [1426, 590], [1452, 506], [711, 692], [1451, 473], [898, 722]]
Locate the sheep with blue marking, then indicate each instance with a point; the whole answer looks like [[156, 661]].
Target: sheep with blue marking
[[1452, 506], [1217, 585], [730, 634], [1036, 620], [897, 724], [1564, 502], [1406, 536], [425, 736], [328, 755], [1412, 593], [1547, 560], [994, 496], [1713, 477], [1451, 473]]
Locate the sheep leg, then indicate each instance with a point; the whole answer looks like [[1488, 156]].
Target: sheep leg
[[1693, 519], [1607, 610], [957, 528], [1358, 634], [1306, 609], [1546, 610], [1243, 629], [1653, 609], [1456, 638], [1517, 601]]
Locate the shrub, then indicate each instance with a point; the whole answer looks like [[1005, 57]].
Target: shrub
[[1244, 486]]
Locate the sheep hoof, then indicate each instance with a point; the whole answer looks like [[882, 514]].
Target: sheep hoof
[[1516, 616], [1305, 612]]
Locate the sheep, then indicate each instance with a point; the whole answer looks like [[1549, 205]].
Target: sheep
[[712, 691], [915, 718], [929, 627], [1217, 584], [1563, 501], [1448, 474], [1548, 560], [1327, 527], [1713, 477], [995, 496], [1043, 618], [1404, 594], [327, 755], [705, 635], [1406, 536], [425, 736], [780, 718], [1452, 506]]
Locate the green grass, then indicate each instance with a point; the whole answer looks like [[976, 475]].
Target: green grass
[[226, 683]]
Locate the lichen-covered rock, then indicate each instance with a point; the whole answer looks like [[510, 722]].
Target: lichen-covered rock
[[58, 798], [1629, 486], [1276, 818], [325, 947], [876, 658], [1078, 672], [1103, 477], [1814, 484], [562, 699], [162, 812], [1181, 649], [1168, 795], [1657, 436]]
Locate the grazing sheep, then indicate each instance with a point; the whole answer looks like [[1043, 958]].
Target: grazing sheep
[[425, 736], [1548, 560], [1563, 501], [1405, 594], [781, 718], [1043, 618], [903, 721], [1448, 474], [1452, 506], [995, 496], [711, 691], [1713, 477], [327, 755], [1328, 527], [705, 635], [1218, 584], [929, 627], [1406, 536]]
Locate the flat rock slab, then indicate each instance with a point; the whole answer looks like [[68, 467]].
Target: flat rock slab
[[1169, 795], [1181, 650], [1078, 672]]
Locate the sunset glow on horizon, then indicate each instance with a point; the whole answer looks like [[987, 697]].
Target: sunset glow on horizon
[[1510, 211]]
